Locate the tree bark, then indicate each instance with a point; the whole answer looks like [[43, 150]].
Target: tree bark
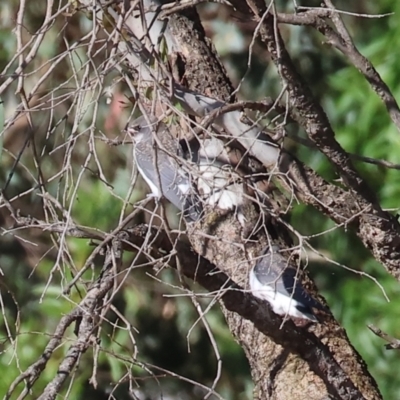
[[277, 372], [287, 360]]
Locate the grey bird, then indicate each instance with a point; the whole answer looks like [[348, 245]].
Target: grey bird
[[156, 152], [219, 183], [275, 279]]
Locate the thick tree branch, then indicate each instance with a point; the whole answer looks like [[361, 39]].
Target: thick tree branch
[[378, 230], [296, 339], [341, 40], [220, 238]]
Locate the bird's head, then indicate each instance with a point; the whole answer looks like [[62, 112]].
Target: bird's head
[[140, 129]]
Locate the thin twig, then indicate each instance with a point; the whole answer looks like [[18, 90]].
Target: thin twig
[[394, 344]]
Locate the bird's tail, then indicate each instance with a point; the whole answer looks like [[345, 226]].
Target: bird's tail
[[192, 208]]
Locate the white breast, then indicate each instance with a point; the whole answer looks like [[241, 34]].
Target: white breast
[[281, 304], [154, 189]]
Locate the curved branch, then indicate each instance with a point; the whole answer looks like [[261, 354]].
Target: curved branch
[[299, 340], [378, 230]]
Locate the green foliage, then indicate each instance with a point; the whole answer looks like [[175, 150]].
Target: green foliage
[[358, 301], [158, 330], [363, 127]]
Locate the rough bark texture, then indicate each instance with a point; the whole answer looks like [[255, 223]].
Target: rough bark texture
[[378, 230], [231, 255], [288, 359], [202, 70], [277, 372]]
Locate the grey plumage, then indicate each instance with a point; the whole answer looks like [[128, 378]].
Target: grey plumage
[[275, 279], [155, 158]]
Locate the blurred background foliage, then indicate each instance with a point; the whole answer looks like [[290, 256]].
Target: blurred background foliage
[[157, 329]]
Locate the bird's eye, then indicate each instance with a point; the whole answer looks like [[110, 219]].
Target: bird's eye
[[134, 128]]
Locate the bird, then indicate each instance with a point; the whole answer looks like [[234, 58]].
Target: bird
[[219, 183], [156, 153], [274, 279]]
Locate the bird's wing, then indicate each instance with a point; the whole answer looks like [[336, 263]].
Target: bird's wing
[[266, 270], [172, 183], [295, 289], [275, 271], [175, 184]]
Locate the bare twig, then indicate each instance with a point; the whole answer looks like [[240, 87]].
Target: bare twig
[[369, 160], [341, 40], [394, 344]]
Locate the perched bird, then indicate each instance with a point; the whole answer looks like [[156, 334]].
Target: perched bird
[[274, 279], [219, 182], [156, 153]]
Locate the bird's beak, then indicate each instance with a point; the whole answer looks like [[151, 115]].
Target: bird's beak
[[131, 129]]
